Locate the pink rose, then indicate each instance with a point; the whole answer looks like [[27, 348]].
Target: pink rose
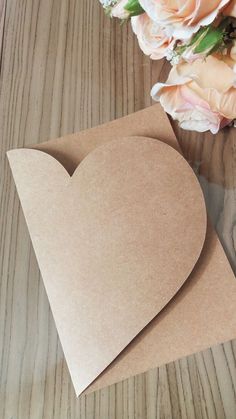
[[201, 95], [151, 38], [182, 18]]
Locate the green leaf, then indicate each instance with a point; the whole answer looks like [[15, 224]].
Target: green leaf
[[211, 41], [200, 34], [134, 8]]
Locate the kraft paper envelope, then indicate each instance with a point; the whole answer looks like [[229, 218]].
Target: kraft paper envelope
[[135, 275]]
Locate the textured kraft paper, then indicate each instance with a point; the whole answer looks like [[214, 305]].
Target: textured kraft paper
[[118, 246]]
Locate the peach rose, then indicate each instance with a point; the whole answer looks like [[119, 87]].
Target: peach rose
[[151, 38], [201, 95], [182, 18], [119, 11], [231, 9]]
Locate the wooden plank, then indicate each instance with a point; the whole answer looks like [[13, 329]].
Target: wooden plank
[[2, 24], [65, 67]]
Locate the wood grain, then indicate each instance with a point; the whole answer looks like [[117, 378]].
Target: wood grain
[[66, 67]]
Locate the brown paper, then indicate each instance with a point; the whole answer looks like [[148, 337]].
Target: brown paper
[[116, 241]]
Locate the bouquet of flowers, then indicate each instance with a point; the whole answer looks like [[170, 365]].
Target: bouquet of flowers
[[198, 37]]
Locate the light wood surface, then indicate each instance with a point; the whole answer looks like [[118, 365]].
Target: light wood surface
[[66, 67]]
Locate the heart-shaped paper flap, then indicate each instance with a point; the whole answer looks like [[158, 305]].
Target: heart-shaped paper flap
[[114, 242]]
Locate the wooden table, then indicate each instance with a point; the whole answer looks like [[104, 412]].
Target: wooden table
[[66, 67]]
